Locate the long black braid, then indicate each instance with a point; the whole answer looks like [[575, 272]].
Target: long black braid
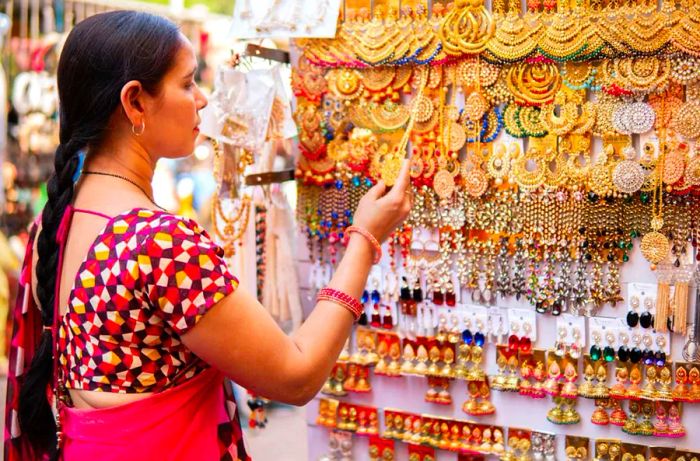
[[100, 55]]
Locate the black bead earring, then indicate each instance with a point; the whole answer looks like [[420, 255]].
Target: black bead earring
[[632, 315], [646, 320]]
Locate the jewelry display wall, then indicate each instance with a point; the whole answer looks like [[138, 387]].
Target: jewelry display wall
[[543, 281]]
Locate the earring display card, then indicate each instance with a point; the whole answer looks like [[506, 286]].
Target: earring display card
[[523, 322], [575, 328], [421, 453], [661, 453], [475, 316], [577, 448], [603, 332], [380, 448], [498, 324], [632, 451], [681, 455], [641, 296]]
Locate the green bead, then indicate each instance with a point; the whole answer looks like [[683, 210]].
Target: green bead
[[595, 353], [644, 197], [625, 258], [630, 245]]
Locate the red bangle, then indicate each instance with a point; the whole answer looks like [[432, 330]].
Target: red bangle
[[366, 234], [343, 299]]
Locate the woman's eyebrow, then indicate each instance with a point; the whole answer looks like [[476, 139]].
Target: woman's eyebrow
[[191, 73]]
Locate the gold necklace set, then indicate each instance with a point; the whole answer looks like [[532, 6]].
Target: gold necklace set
[[234, 218]]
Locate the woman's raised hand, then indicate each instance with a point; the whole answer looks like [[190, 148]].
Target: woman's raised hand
[[379, 211]]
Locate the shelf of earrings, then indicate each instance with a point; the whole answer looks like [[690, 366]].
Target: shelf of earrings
[[443, 433], [455, 329]]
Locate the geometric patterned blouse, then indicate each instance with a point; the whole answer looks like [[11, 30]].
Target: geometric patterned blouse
[[148, 277]]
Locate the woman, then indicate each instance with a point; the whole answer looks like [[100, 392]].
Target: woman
[[130, 317]]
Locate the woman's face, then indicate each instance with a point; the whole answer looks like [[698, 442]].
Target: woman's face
[[171, 117]]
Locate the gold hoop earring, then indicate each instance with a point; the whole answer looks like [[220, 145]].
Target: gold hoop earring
[[142, 128]]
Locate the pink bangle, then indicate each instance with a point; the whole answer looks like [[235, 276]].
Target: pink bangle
[[366, 234], [343, 299]]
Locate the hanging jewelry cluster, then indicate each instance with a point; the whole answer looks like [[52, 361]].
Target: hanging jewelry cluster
[[545, 145]]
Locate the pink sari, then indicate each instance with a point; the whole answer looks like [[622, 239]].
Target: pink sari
[[196, 419]]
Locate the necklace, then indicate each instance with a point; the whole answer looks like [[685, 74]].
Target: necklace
[[124, 178]]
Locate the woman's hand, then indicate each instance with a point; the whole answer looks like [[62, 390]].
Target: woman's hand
[[379, 211]]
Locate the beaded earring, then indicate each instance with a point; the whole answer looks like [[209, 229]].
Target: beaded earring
[[632, 315], [646, 319]]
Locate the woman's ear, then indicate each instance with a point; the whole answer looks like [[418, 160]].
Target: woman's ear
[[132, 99]]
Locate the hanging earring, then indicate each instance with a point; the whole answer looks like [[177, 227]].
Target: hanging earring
[[409, 355], [647, 354], [595, 351], [453, 332], [646, 320], [623, 352], [636, 351], [375, 320], [632, 315], [681, 391], [387, 319], [450, 298], [601, 389], [431, 393], [600, 417], [660, 355], [569, 390], [618, 390], [442, 328], [497, 333], [618, 417], [551, 386], [513, 339], [438, 298], [525, 345], [364, 299], [609, 351], [560, 344], [375, 297], [575, 346]]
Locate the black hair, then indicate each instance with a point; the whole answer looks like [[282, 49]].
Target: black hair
[[101, 54]]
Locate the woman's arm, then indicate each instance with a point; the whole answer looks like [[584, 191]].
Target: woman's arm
[[241, 339]]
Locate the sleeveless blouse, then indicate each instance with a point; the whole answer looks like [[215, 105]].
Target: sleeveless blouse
[[148, 277]]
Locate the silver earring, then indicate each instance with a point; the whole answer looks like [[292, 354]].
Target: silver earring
[[142, 128]]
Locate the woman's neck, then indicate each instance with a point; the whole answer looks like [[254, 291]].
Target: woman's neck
[[129, 160]]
